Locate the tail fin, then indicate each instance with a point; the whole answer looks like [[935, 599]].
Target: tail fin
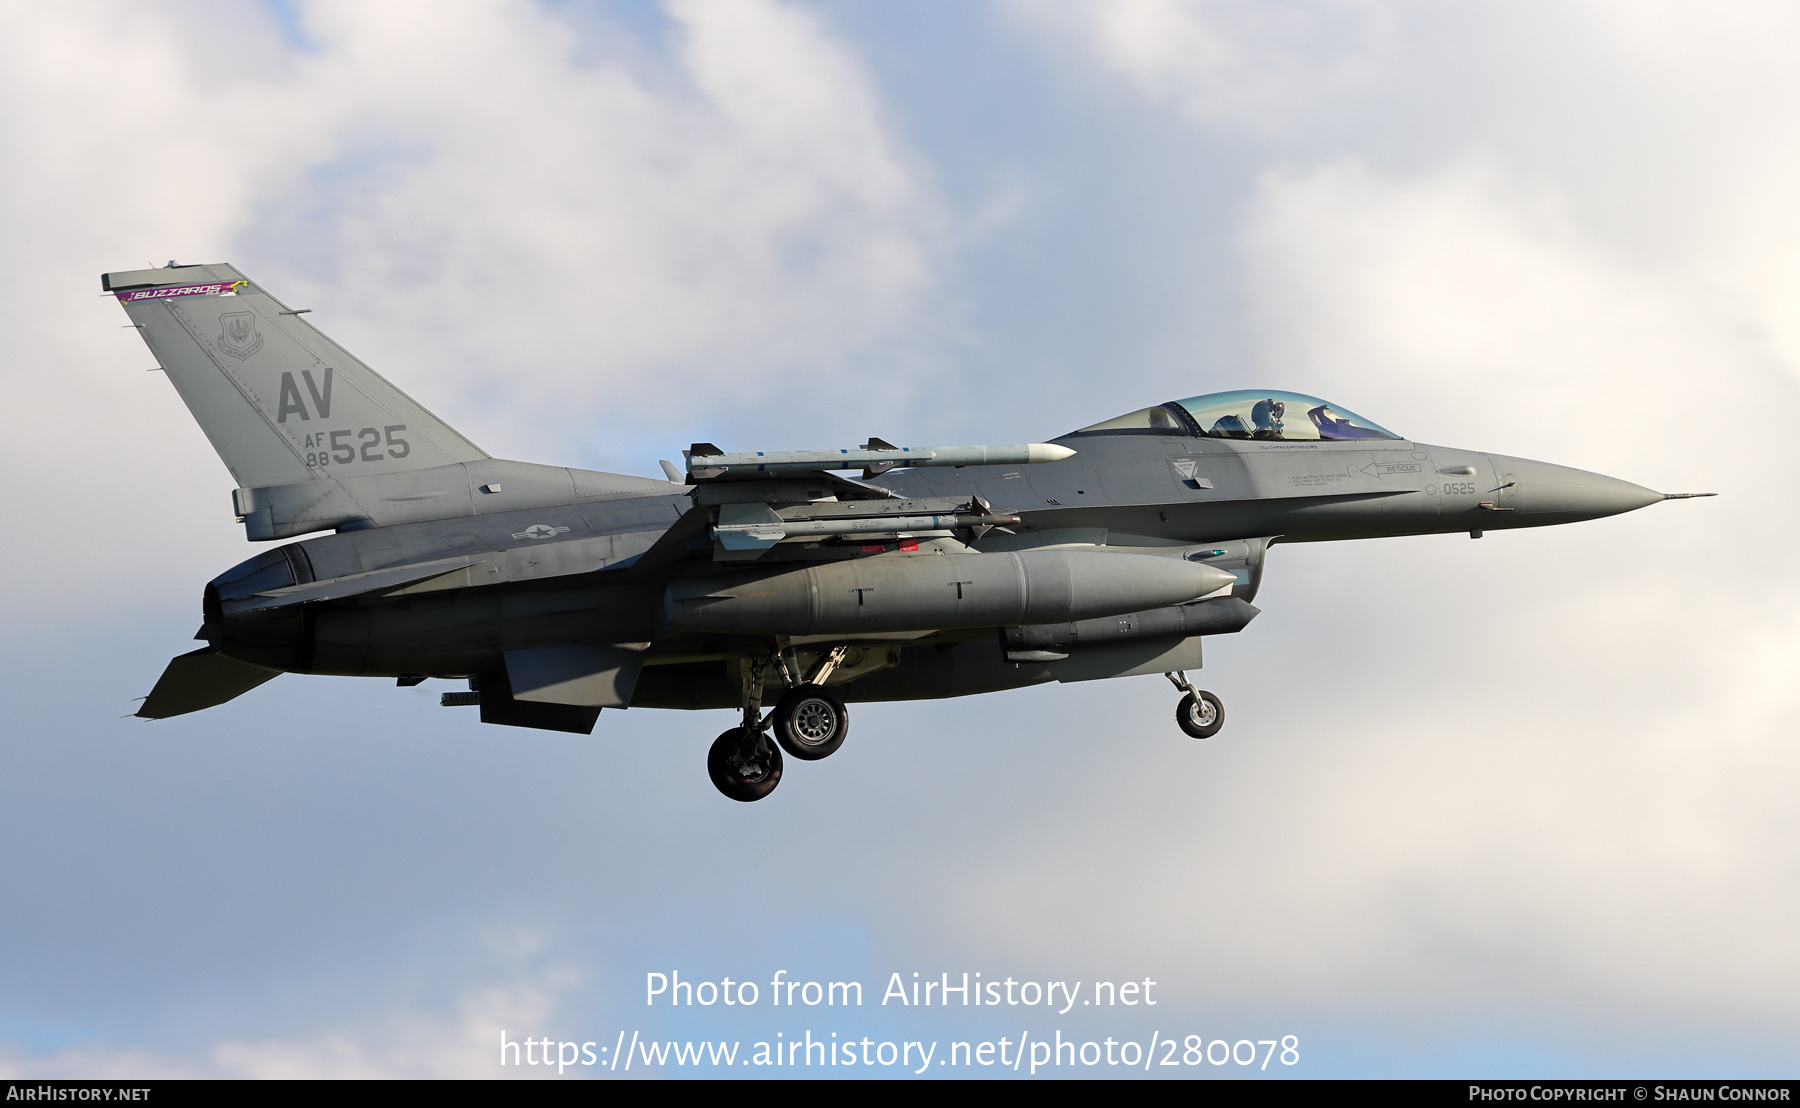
[[281, 403]]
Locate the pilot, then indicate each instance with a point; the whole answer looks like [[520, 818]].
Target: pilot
[[1267, 418]]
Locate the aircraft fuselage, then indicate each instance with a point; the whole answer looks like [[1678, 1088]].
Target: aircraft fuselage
[[1120, 491]]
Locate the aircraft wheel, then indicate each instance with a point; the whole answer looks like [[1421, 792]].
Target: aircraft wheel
[[811, 722], [1200, 714], [741, 771]]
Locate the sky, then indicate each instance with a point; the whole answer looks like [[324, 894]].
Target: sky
[[1515, 807]]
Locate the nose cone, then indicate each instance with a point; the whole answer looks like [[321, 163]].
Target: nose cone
[[1545, 493]]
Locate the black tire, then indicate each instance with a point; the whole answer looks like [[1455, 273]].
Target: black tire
[[738, 778], [1200, 718], [811, 722]]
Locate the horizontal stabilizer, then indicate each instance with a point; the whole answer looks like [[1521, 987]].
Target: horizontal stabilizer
[[200, 680]]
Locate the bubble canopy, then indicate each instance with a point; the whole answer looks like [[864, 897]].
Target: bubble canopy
[[1248, 414]]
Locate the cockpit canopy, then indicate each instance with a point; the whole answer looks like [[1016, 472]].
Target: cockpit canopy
[[1248, 414]]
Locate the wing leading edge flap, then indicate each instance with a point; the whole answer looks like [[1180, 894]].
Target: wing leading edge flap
[[201, 679], [673, 545], [584, 675]]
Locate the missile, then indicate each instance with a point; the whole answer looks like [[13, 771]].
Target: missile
[[706, 461], [749, 535], [903, 593]]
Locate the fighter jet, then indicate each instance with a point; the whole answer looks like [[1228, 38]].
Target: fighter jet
[[811, 578]]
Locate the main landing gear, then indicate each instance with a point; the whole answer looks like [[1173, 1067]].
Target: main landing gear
[[1200, 713], [744, 765], [809, 722]]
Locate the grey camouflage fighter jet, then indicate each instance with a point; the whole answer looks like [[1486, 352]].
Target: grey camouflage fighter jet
[[809, 578]]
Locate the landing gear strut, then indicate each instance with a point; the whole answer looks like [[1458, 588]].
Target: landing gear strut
[[809, 721], [1200, 713], [743, 763]]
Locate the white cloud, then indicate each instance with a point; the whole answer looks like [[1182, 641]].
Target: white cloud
[[421, 1042], [1664, 128], [522, 996], [1469, 302], [1230, 62], [546, 234], [741, 221], [1649, 864], [1545, 777], [1547, 774]]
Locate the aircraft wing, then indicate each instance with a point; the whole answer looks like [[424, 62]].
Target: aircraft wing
[[749, 503]]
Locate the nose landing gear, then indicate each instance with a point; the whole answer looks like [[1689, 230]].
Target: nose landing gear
[[1200, 713]]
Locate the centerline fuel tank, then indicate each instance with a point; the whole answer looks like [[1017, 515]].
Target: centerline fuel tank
[[896, 593]]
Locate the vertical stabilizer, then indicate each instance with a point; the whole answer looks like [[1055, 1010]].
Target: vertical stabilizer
[[281, 403]]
